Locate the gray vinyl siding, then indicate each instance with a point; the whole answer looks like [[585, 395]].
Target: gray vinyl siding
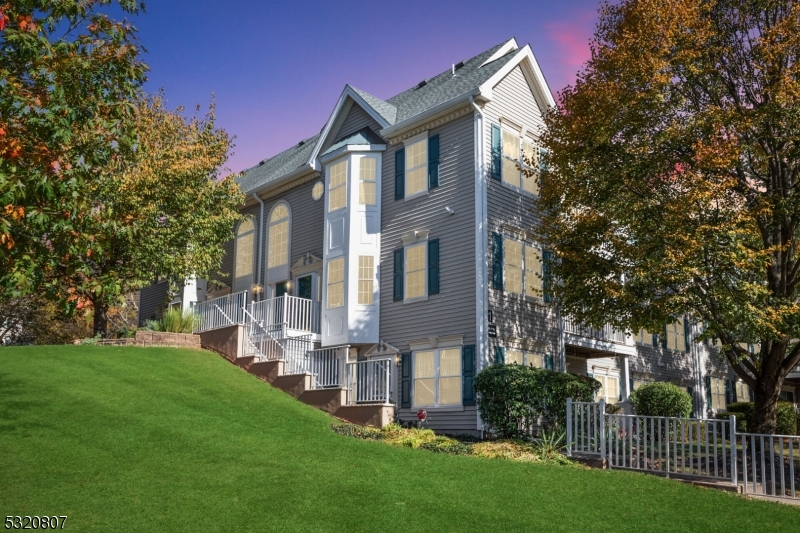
[[516, 315], [356, 120], [152, 300], [452, 311]]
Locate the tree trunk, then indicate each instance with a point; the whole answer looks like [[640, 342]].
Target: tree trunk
[[766, 394], [100, 318]]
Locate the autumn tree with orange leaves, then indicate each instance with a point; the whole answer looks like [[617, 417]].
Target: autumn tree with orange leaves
[[674, 175]]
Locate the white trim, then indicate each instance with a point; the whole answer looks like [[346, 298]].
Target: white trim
[[348, 92], [441, 109], [324, 159], [533, 74], [436, 377], [510, 45], [416, 139], [236, 252], [481, 248]]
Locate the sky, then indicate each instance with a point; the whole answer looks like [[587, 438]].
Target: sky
[[276, 69]]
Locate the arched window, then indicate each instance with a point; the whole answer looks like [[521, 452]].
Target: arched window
[[278, 253], [243, 267]]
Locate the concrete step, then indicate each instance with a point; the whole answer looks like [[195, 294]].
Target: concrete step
[[328, 400], [244, 362], [266, 370], [294, 384]]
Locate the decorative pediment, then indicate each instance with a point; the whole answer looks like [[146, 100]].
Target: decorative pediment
[[382, 348], [307, 264]]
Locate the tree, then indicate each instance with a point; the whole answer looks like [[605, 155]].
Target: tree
[[158, 210], [35, 320], [68, 75], [672, 181]]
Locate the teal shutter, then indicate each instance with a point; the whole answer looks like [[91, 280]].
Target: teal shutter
[[400, 174], [547, 278], [548, 362], [405, 379], [398, 275], [433, 161], [497, 152], [664, 337], [497, 261], [655, 340], [499, 355], [468, 374], [708, 391], [630, 386], [433, 266], [750, 394], [687, 334], [730, 391]]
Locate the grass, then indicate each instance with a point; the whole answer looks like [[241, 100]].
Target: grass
[[166, 439]]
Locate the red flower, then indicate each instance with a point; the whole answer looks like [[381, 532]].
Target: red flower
[[2, 21]]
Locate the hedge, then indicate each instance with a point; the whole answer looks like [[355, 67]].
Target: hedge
[[511, 398], [661, 399]]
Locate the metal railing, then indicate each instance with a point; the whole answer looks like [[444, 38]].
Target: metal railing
[[606, 333], [287, 313], [764, 465], [295, 354], [327, 366], [369, 382], [221, 312]]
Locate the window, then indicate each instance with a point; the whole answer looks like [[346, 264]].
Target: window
[[522, 269], [336, 283], [610, 388], [337, 187], [520, 357], [510, 152], [742, 391], [366, 275], [511, 173], [675, 336], [529, 162], [416, 167], [717, 394], [637, 383], [317, 190], [437, 377], [278, 253], [644, 337], [243, 267], [415, 271], [367, 178]]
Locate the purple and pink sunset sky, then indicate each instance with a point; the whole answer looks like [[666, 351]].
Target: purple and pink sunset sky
[[278, 68]]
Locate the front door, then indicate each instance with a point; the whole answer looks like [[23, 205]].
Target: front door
[[281, 288], [304, 287]]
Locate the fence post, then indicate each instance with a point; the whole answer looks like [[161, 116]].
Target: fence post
[[569, 427], [602, 431], [285, 316], [734, 452]]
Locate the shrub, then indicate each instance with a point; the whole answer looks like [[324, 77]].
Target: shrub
[[786, 420], [661, 399], [174, 321], [446, 445], [513, 397], [741, 420], [359, 432]]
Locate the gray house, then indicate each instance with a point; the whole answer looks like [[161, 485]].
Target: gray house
[[391, 255]]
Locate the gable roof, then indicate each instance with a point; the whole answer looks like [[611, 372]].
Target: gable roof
[[361, 137], [470, 75]]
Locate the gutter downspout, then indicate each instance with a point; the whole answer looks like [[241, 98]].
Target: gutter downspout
[[481, 238], [260, 241]]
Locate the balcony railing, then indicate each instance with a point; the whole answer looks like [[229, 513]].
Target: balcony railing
[[290, 314], [221, 312], [369, 382], [606, 333]]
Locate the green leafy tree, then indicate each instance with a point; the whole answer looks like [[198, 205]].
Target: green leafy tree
[[673, 179], [68, 74]]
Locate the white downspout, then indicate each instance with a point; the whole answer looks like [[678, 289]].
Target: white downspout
[[481, 238], [260, 242]]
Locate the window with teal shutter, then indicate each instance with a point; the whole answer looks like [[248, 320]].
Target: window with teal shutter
[[499, 355], [400, 174], [548, 362], [497, 152], [433, 161], [468, 374], [497, 261], [433, 266], [405, 379], [398, 275]]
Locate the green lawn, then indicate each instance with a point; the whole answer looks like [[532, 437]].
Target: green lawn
[[164, 439]]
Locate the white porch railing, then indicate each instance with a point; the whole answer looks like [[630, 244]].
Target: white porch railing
[[369, 382], [606, 333], [765, 465], [327, 366], [295, 354], [287, 313], [221, 312]]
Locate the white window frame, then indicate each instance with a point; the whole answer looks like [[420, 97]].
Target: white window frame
[[424, 295], [436, 377], [421, 138], [370, 279], [270, 223], [343, 283], [346, 163], [526, 357], [603, 379], [524, 268], [715, 395], [237, 250], [518, 184], [362, 182]]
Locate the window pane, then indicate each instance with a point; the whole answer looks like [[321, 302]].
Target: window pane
[[365, 279], [245, 239], [531, 184], [278, 253], [337, 198], [450, 391], [510, 145], [366, 193], [513, 253], [416, 180], [417, 154], [510, 172], [336, 270], [612, 389], [415, 271], [415, 258], [367, 170], [415, 284], [279, 213], [423, 391], [513, 356], [367, 174], [336, 283], [338, 174], [680, 339], [450, 362], [529, 154], [535, 360], [424, 365], [533, 271]]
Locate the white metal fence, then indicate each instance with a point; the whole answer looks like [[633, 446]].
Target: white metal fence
[[767, 465], [287, 313], [327, 366], [221, 312], [606, 333], [369, 382]]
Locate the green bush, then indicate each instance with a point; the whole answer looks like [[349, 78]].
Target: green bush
[[661, 399], [175, 321], [446, 445], [786, 421], [511, 398], [359, 432], [741, 420]]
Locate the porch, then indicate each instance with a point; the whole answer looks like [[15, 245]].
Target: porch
[[589, 342]]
